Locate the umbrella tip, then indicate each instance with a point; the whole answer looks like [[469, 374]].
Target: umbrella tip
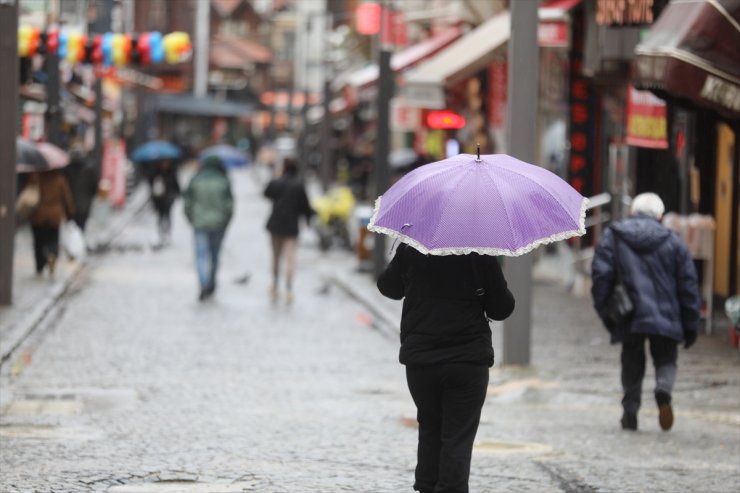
[[478, 158]]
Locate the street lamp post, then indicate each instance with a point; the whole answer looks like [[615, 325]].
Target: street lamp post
[[521, 132], [385, 90], [8, 131]]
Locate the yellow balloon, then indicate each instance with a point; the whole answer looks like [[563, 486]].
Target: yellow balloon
[[73, 47], [24, 40]]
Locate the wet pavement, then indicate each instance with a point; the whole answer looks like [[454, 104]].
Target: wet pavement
[[130, 384]]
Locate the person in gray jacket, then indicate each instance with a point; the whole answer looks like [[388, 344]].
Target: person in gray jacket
[[658, 272], [209, 206]]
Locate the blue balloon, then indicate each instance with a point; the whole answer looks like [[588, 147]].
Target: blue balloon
[[62, 48], [107, 48], [156, 47]]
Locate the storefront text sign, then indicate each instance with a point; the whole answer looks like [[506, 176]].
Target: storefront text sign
[[646, 120], [624, 12]]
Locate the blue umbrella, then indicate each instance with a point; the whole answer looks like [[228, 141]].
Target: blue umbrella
[[230, 156], [156, 150]]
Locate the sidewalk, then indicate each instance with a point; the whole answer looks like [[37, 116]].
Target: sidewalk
[[571, 354], [34, 296]]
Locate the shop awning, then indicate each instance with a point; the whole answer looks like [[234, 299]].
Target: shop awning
[[424, 84], [465, 56], [691, 53], [405, 58]]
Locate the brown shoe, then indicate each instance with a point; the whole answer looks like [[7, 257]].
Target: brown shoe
[[665, 411]]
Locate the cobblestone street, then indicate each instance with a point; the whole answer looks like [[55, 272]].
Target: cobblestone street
[[132, 385]]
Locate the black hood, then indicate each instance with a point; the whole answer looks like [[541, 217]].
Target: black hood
[[641, 233]]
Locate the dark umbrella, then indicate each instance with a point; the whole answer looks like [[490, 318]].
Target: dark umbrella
[[156, 150], [29, 158]]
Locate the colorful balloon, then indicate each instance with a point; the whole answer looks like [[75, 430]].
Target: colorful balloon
[[177, 46], [156, 49]]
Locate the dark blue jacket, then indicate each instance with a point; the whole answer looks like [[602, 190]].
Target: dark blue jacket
[[659, 274]]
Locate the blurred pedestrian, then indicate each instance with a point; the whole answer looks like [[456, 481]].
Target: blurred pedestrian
[[82, 178], [658, 273], [54, 207], [289, 203], [209, 206], [446, 347], [164, 189]]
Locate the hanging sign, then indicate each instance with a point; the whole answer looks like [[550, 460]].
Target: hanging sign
[[647, 125]]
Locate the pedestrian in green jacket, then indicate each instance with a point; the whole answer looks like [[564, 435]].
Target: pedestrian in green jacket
[[209, 206]]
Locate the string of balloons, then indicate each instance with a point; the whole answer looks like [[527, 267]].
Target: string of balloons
[[109, 49]]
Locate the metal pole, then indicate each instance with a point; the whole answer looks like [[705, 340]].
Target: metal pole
[[101, 25], [53, 111], [521, 132], [385, 89], [202, 27], [8, 131], [325, 168]]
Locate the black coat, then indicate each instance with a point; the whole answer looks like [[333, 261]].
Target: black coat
[[443, 321], [289, 203], [658, 272]]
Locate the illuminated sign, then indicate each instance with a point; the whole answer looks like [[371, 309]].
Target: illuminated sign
[[624, 12], [445, 120]]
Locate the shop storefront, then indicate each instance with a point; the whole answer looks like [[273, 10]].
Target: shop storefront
[[690, 59]]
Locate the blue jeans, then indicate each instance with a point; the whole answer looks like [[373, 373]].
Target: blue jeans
[[207, 249]]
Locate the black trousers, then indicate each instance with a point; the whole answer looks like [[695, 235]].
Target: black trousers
[[448, 401], [45, 244], [664, 352]]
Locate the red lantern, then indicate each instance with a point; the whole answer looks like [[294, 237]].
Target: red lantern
[[368, 18]]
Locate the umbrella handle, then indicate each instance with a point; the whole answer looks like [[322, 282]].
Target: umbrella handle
[[477, 160]]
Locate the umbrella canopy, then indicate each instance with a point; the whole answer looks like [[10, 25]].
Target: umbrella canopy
[[56, 157], [230, 156], [495, 205], [156, 150], [28, 157]]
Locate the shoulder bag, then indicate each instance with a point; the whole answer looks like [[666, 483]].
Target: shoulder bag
[[620, 307]]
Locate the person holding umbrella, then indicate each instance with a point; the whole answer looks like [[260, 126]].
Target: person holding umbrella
[[453, 217], [209, 206], [157, 159], [42, 164]]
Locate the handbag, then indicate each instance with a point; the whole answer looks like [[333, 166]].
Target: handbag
[[619, 306], [28, 200]]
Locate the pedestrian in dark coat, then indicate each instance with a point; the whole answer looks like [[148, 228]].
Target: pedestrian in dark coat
[[659, 274], [209, 206], [164, 189], [446, 347], [83, 183], [289, 204], [55, 206]]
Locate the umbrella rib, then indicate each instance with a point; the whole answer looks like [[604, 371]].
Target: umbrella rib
[[542, 188], [458, 185], [503, 203]]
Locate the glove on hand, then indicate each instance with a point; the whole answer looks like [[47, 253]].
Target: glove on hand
[[689, 339]]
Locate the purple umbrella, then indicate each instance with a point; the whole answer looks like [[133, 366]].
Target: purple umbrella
[[494, 205]]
